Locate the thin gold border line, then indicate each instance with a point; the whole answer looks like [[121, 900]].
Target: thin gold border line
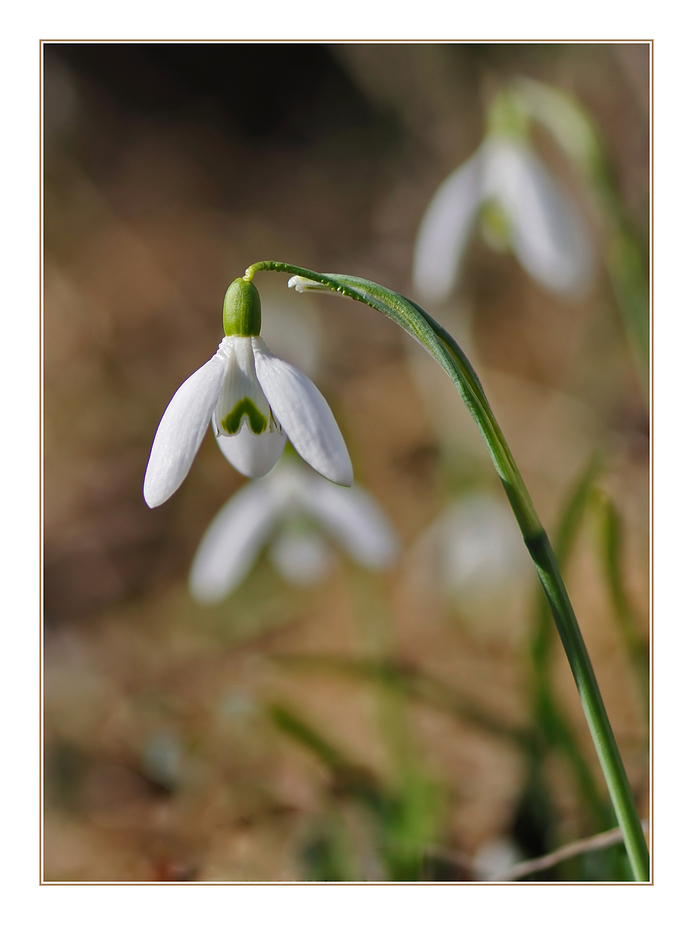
[[41, 469], [651, 441]]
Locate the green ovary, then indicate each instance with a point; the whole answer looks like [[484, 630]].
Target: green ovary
[[495, 226], [232, 422]]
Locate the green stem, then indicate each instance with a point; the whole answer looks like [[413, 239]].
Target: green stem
[[449, 355]]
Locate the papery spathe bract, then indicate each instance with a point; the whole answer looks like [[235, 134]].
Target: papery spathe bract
[[255, 401], [301, 284], [301, 511]]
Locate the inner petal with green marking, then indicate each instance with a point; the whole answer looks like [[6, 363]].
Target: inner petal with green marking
[[241, 397], [257, 421]]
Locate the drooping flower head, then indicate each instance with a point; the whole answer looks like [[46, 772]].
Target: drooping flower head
[[506, 188], [295, 513], [254, 401]]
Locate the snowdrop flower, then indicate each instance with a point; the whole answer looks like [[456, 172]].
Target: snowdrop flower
[[472, 551], [505, 181], [162, 758], [298, 509], [300, 553], [479, 546], [254, 401], [496, 857]]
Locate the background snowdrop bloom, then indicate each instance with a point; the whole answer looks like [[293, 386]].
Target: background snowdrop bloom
[[473, 558], [162, 758], [544, 228], [300, 553], [480, 549], [294, 505], [496, 857], [254, 400]]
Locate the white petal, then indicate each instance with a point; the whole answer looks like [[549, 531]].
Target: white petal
[[355, 520], [252, 454], [549, 236], [304, 415], [240, 381], [181, 431], [232, 542], [496, 857], [302, 557], [480, 547], [445, 229]]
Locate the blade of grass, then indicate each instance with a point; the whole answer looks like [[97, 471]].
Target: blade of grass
[[611, 548], [554, 726], [415, 684]]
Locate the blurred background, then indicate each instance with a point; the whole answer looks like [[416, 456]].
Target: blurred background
[[407, 717]]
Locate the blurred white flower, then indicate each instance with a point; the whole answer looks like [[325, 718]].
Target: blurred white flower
[[542, 226], [255, 401], [162, 757], [300, 553], [298, 509], [237, 702], [479, 547], [563, 117], [496, 857]]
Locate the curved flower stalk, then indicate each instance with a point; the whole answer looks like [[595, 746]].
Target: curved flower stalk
[[254, 401], [506, 186], [443, 348], [297, 512]]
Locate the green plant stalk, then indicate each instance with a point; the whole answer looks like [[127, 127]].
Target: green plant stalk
[[554, 726], [626, 269], [434, 338], [611, 541], [564, 541], [403, 815]]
